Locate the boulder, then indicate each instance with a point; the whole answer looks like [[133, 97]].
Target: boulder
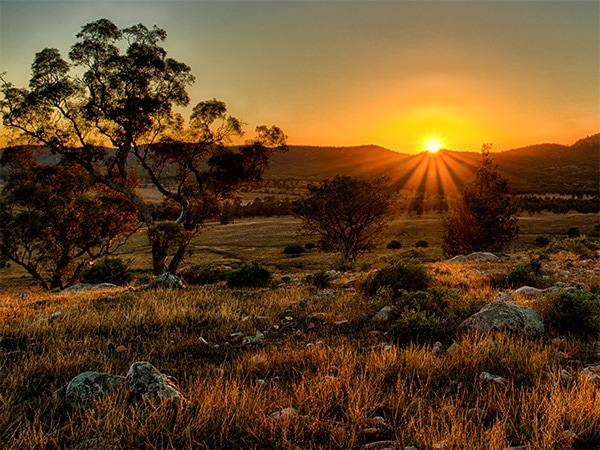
[[527, 291], [501, 316], [87, 387], [476, 256], [151, 384], [167, 280], [386, 314]]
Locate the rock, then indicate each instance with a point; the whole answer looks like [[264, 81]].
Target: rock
[[569, 436], [81, 287], [341, 322], [56, 314], [527, 291], [502, 297], [386, 314], [285, 413], [85, 388], [475, 256], [454, 347], [325, 293], [501, 316], [147, 381], [167, 281], [381, 445], [438, 348], [258, 338], [566, 375], [494, 379]]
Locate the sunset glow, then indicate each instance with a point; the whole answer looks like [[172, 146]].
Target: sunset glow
[[433, 145], [353, 73]]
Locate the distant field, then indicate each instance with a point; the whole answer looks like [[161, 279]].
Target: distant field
[[264, 238]]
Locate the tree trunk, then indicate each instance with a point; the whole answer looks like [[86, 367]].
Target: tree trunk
[[160, 252], [177, 258]]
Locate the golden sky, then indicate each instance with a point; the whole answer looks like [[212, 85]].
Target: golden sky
[[392, 73]]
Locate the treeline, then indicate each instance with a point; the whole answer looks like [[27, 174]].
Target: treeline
[[559, 205]]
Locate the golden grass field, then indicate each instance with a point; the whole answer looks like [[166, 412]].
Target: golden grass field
[[348, 382]]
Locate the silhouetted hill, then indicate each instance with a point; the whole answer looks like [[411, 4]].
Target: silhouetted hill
[[542, 168]]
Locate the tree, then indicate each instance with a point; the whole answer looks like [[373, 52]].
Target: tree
[[484, 218], [56, 220], [347, 213], [113, 117]]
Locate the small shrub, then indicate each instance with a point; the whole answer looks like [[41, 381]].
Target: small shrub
[[417, 326], [320, 279], [200, 274], [310, 246], [107, 270], [394, 245], [542, 241], [573, 232], [421, 244], [145, 278], [251, 274], [583, 246], [574, 313], [529, 274], [293, 250], [402, 275]]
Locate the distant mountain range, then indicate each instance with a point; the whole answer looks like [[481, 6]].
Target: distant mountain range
[[542, 168]]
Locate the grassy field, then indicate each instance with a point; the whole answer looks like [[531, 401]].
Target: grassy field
[[348, 382]]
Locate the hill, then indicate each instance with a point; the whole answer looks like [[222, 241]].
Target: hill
[[542, 168]]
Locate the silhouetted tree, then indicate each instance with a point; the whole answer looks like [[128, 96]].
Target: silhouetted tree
[[347, 213], [114, 116], [484, 219], [55, 219]]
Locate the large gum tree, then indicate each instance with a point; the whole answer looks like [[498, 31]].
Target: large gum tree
[[109, 109]]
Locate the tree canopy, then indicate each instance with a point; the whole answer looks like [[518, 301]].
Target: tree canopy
[[110, 111], [485, 217], [347, 213]]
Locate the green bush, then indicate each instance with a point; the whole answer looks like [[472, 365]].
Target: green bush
[[310, 246], [401, 275], [200, 274], [394, 245], [421, 244], [542, 241], [529, 274], [320, 279], [107, 270], [293, 250], [573, 313], [417, 326], [583, 246], [251, 274]]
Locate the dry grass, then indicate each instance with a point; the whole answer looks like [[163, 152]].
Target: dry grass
[[346, 386], [322, 356]]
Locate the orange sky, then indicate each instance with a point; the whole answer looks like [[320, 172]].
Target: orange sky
[[391, 73]]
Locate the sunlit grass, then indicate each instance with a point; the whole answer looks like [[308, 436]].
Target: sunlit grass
[[347, 387]]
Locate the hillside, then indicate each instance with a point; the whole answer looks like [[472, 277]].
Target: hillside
[[542, 168]]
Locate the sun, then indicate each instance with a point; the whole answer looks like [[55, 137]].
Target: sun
[[433, 145]]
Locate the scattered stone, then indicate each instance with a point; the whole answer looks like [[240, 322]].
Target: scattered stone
[[370, 431], [500, 316], [386, 314], [475, 256], [84, 389], [318, 315], [592, 372], [454, 347], [167, 281], [494, 379], [381, 445], [147, 381], [236, 335], [56, 314], [285, 413], [203, 341], [527, 291], [566, 375], [258, 338], [325, 293], [561, 356], [81, 287], [569, 436], [379, 421], [502, 297], [261, 382], [259, 359], [341, 322], [438, 348]]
